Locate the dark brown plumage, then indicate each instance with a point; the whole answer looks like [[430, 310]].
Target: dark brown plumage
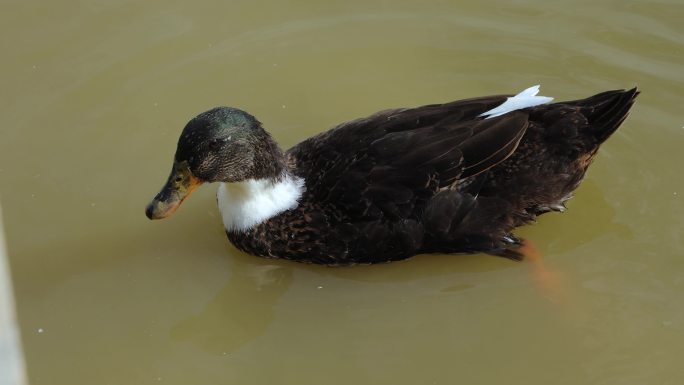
[[433, 179]]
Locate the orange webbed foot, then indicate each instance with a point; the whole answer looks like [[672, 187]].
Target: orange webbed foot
[[548, 281]]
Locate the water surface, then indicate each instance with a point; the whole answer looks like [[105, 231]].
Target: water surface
[[96, 93]]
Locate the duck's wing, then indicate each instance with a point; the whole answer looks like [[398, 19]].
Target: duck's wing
[[389, 164]]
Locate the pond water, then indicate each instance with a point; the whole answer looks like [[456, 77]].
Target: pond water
[[96, 93]]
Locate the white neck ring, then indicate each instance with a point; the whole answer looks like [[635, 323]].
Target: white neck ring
[[246, 204]]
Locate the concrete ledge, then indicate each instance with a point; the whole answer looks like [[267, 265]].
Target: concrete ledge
[[12, 368]]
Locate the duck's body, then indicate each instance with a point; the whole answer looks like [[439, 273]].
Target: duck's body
[[433, 179]]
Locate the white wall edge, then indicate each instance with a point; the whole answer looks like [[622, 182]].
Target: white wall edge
[[12, 366]]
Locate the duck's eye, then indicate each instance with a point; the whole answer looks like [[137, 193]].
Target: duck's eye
[[178, 179]]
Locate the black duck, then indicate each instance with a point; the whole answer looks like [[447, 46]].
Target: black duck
[[443, 178]]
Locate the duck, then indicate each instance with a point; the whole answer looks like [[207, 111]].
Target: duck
[[450, 178]]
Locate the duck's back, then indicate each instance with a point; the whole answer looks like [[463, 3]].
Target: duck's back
[[436, 178], [559, 145]]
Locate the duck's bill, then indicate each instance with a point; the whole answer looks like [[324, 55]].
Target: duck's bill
[[180, 185]]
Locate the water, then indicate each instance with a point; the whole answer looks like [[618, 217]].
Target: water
[[95, 95]]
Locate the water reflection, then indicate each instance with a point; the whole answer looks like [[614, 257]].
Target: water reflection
[[241, 312], [558, 233]]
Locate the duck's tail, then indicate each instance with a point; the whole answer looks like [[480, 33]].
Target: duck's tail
[[606, 111]]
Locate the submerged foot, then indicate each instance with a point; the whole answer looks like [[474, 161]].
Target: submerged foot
[[548, 281]]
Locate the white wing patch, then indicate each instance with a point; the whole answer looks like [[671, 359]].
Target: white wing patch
[[244, 205], [527, 98]]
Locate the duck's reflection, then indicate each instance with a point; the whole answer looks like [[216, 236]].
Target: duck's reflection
[[241, 311], [590, 216]]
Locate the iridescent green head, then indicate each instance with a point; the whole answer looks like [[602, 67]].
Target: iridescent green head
[[223, 144]]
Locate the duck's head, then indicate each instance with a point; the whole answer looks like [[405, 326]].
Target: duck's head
[[223, 144]]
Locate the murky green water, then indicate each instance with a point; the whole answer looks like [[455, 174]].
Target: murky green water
[[95, 94]]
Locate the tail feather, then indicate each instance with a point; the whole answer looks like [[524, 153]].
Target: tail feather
[[606, 111]]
